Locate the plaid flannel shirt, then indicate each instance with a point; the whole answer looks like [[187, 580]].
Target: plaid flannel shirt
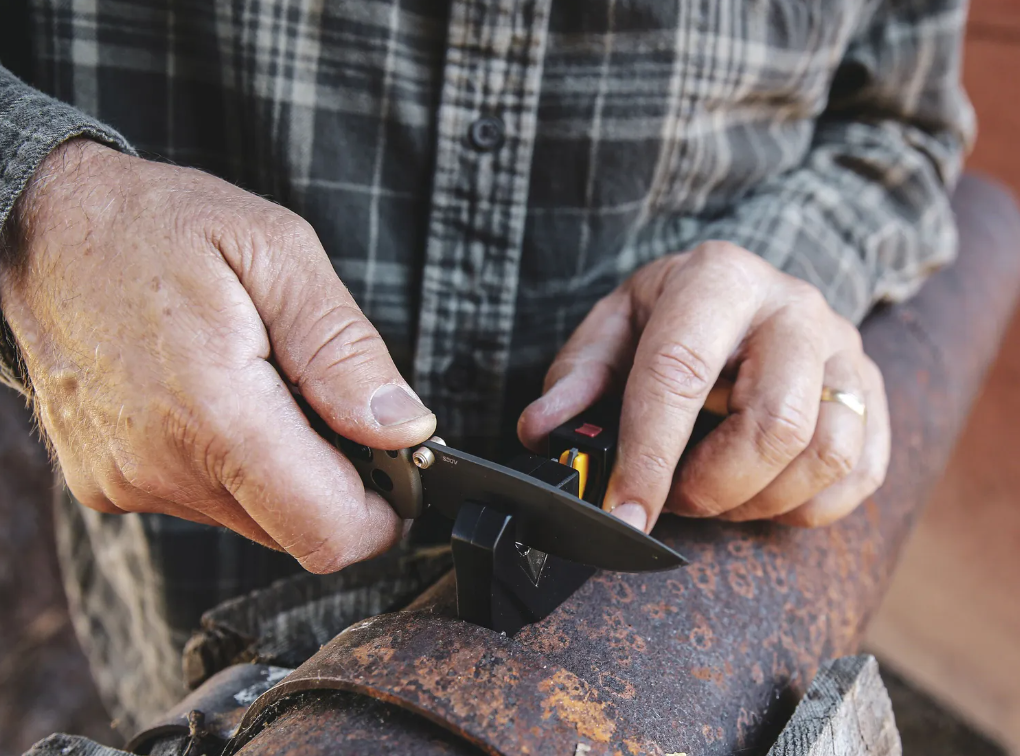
[[482, 171]]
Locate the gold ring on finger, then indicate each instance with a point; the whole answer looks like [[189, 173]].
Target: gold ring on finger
[[850, 401]]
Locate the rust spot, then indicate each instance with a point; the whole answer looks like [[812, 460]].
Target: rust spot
[[573, 701], [708, 674], [713, 734], [739, 547], [701, 636], [703, 577], [621, 634], [757, 674], [754, 567], [616, 686], [551, 641], [775, 566], [378, 650], [676, 588], [494, 677], [622, 591], [739, 580], [642, 747], [659, 611]]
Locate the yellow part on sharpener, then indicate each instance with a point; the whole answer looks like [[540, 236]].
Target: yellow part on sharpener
[[579, 463]]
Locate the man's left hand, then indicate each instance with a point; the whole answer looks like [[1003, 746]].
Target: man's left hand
[[667, 335]]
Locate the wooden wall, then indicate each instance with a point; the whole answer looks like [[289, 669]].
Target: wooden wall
[[951, 621]]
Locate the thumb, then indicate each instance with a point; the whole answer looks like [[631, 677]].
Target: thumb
[[325, 345], [596, 358]]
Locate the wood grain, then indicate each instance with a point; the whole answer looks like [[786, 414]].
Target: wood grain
[[845, 712]]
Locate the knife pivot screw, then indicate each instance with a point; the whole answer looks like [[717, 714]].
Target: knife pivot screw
[[423, 458]]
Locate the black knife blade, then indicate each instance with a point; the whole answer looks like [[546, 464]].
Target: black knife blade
[[547, 518]]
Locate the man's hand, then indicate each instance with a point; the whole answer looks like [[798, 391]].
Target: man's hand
[[147, 300], [668, 334]]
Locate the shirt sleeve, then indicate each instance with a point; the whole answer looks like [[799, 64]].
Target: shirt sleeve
[[866, 216], [31, 125]]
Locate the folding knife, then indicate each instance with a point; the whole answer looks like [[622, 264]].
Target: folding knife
[[555, 512]]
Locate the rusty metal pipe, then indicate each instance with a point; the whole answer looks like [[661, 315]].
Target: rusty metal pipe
[[710, 659]]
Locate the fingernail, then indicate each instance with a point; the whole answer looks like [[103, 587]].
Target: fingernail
[[393, 405], [632, 514]]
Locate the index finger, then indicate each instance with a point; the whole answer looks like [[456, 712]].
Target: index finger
[[700, 318], [296, 485]]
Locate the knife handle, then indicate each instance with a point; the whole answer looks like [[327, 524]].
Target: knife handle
[[390, 473]]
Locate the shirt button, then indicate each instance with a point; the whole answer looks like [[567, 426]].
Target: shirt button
[[487, 133], [460, 374]]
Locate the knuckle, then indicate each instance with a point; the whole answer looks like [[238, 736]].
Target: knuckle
[[800, 298], [98, 503], [181, 425], [873, 374], [681, 372], [288, 231], [850, 335], [741, 269], [204, 437], [121, 494], [279, 227], [692, 503], [90, 492], [809, 298], [835, 457], [781, 432], [127, 471], [724, 252], [652, 464], [339, 340], [251, 229], [224, 462]]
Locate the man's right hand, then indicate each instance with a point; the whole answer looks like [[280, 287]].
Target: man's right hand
[[147, 300]]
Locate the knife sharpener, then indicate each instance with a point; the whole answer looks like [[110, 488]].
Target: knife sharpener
[[503, 584], [503, 581]]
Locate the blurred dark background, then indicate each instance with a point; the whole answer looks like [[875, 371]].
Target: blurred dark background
[[44, 681]]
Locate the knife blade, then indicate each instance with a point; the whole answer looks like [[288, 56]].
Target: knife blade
[[547, 518]]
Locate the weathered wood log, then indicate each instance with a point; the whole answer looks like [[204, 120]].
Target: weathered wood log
[[845, 712]]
